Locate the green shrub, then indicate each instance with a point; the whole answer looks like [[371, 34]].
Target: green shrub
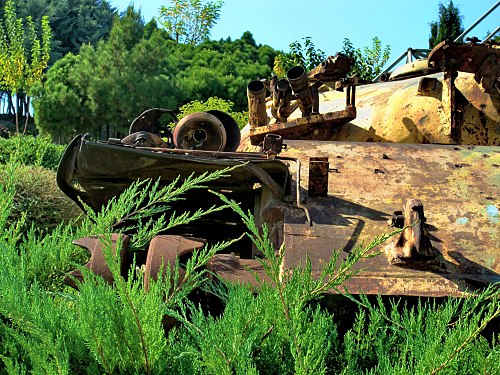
[[428, 338], [223, 105], [47, 327], [30, 150], [37, 197]]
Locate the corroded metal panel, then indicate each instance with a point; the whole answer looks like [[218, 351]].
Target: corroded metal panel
[[458, 185], [318, 176], [310, 127]]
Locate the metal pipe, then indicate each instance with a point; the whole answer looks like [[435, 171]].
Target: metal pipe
[[461, 36], [256, 94], [203, 153], [297, 185], [409, 55], [282, 93], [491, 35], [297, 76]]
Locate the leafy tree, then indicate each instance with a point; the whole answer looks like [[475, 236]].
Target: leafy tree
[[190, 21], [23, 57], [449, 25], [307, 56], [247, 37], [368, 62], [73, 22]]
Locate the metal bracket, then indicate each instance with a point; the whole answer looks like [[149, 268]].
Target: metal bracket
[[273, 145], [413, 243]]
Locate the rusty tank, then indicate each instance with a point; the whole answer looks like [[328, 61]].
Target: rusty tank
[[326, 162]]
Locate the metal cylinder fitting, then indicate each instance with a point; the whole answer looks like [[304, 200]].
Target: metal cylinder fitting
[[297, 77], [256, 93], [282, 93]]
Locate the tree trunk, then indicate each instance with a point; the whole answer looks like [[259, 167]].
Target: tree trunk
[[16, 109], [10, 104], [27, 112]]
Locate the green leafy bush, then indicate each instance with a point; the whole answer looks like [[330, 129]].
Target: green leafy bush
[[223, 105], [368, 63], [307, 56], [30, 150]]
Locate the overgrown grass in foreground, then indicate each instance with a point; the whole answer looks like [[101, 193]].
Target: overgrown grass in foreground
[[46, 327]]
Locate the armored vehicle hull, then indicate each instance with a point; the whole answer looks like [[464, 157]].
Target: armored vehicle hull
[[334, 169]]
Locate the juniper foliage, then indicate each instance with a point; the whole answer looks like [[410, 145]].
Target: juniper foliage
[[47, 327]]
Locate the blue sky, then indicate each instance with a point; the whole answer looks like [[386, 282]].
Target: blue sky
[[398, 23]]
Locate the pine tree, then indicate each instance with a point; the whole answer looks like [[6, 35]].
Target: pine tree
[[448, 27]]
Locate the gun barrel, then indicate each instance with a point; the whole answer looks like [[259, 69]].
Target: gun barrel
[[297, 76], [256, 94]]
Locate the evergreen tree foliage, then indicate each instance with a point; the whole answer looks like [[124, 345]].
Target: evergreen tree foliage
[[73, 22], [449, 25], [102, 89]]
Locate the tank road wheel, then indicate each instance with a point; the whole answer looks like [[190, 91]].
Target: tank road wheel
[[200, 131]]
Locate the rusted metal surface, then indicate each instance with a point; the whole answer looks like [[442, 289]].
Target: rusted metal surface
[[144, 139], [430, 86], [455, 106], [233, 268], [479, 59], [162, 254], [332, 69], [97, 263], [281, 92], [233, 135], [414, 110], [297, 77], [460, 106], [273, 144], [368, 182], [200, 130], [256, 94], [149, 121], [105, 170], [316, 194], [303, 88], [318, 176], [458, 185], [314, 126], [412, 69]]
